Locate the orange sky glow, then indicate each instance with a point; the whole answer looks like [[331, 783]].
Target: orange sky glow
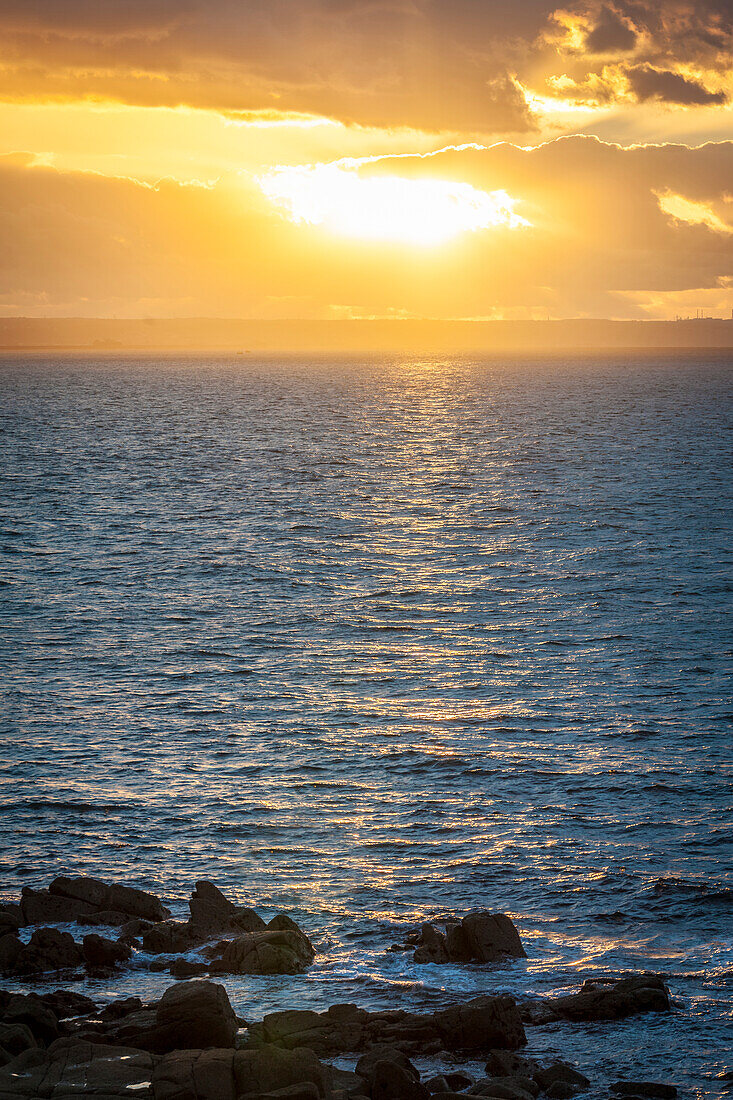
[[366, 158]]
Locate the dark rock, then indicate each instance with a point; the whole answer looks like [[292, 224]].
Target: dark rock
[[11, 948], [505, 1063], [195, 1075], [194, 1015], [65, 1004], [389, 1080], [479, 937], [655, 1090], [211, 912], [48, 951], [11, 918], [30, 1010], [132, 930], [75, 1069], [110, 897], [269, 952], [561, 1090], [506, 1088], [604, 999], [184, 968], [269, 1070], [365, 1066], [111, 918], [167, 937], [42, 907], [480, 1024], [346, 1082], [99, 951], [561, 1073], [247, 920], [117, 1010], [15, 1038]]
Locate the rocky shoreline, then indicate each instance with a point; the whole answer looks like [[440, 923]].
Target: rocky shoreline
[[190, 1045]]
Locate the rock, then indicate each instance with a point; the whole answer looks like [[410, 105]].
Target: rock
[[506, 1088], [11, 949], [655, 1090], [479, 937], [561, 1073], [389, 1080], [605, 999], [42, 907], [246, 920], [15, 1038], [346, 1082], [505, 1063], [73, 1069], [365, 1066], [211, 912], [99, 951], [167, 937], [269, 952], [66, 1004], [194, 1015], [432, 946], [11, 918], [561, 1090], [131, 930], [114, 897], [230, 1075], [482, 1023], [48, 951], [31, 1011], [184, 968], [111, 918], [269, 1070]]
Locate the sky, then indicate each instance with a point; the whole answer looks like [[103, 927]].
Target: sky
[[366, 158]]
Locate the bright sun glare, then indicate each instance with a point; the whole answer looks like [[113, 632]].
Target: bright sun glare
[[386, 208]]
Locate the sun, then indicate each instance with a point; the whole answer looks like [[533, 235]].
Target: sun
[[423, 212]]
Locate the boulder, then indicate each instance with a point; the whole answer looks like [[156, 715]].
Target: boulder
[[43, 907], [270, 952], [11, 948], [480, 1024], [32, 1011], [73, 1069], [167, 938], [211, 912], [449, 1082], [15, 1038], [561, 1072], [101, 952], [185, 968], [390, 1080], [48, 951], [195, 1075], [268, 1070], [380, 1053], [132, 930], [505, 1088], [11, 918], [604, 999], [66, 1004], [479, 937]]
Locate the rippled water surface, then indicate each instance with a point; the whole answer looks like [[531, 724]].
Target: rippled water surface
[[373, 641]]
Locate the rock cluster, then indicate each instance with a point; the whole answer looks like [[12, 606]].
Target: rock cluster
[[244, 944], [480, 1024], [479, 937], [603, 999]]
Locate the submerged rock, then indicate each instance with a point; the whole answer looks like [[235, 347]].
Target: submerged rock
[[479, 937]]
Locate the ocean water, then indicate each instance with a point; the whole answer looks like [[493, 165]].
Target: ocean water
[[378, 640]]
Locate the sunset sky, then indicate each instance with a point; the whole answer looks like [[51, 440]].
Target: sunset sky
[[366, 158]]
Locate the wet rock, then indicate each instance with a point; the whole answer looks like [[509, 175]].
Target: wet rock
[[247, 920], [480, 1024], [110, 897], [48, 951], [167, 938], [505, 1063], [184, 968], [561, 1090], [479, 937], [365, 1066], [101, 952], [275, 951], [42, 907], [560, 1073], [11, 918], [132, 930], [211, 912], [73, 1069], [604, 999], [654, 1090], [506, 1088]]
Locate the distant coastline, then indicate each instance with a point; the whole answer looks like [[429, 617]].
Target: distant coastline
[[46, 334]]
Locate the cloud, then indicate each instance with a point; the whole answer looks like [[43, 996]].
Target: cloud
[[600, 242], [649, 83], [611, 34]]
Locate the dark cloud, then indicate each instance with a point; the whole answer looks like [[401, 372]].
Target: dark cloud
[[611, 34], [649, 83]]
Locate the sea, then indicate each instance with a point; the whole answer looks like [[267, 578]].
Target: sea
[[378, 640]]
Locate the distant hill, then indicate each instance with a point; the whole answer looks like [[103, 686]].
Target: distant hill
[[249, 336]]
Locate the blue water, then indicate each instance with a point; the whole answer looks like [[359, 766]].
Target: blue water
[[375, 640]]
